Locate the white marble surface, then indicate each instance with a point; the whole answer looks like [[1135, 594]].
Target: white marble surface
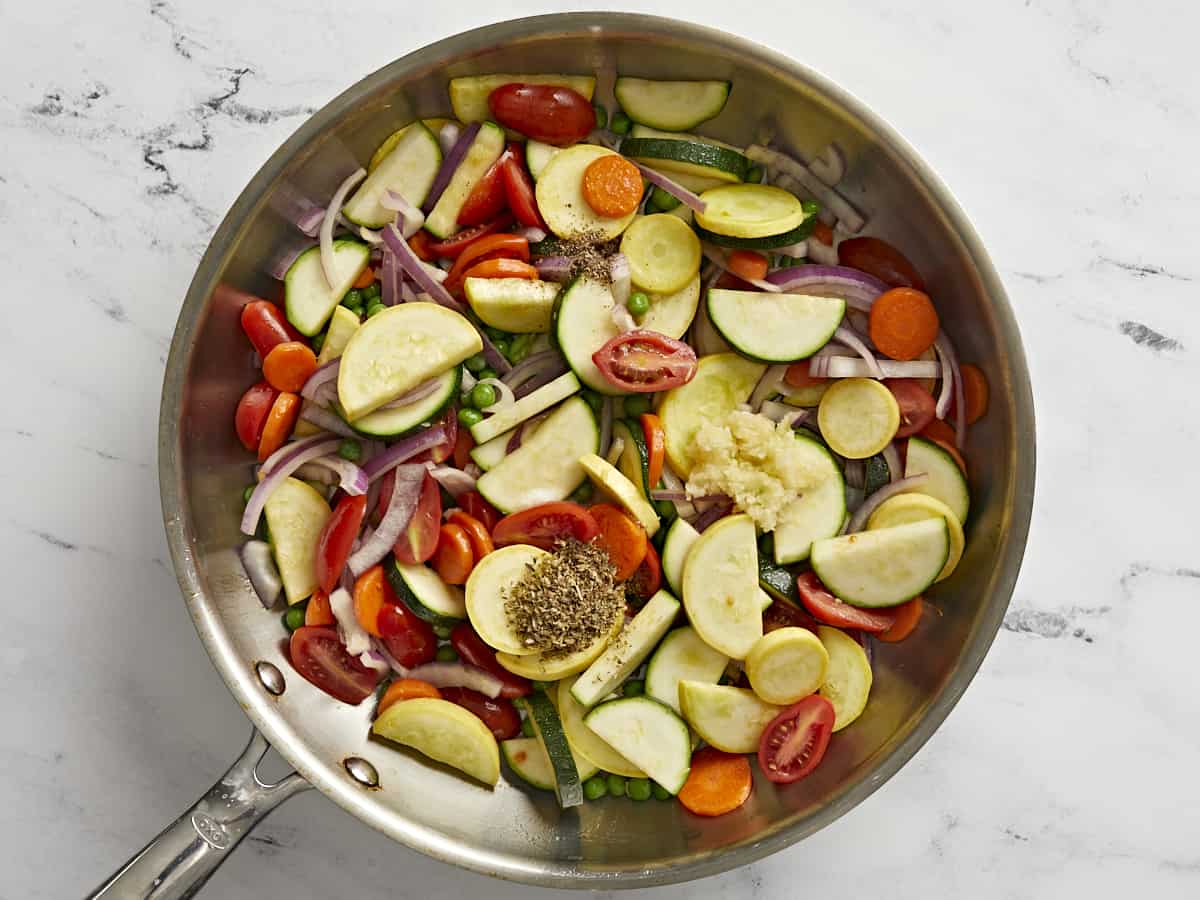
[[1069, 131]]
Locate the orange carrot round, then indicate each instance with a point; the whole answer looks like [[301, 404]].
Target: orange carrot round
[[747, 265], [823, 233], [280, 422], [907, 616], [454, 558], [406, 689], [365, 279], [903, 323], [975, 391], [718, 783], [612, 186], [370, 595], [289, 365], [623, 538]]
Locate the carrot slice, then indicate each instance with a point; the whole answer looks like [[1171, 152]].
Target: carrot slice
[[318, 611], [501, 268], [903, 323], [369, 598], [612, 186], [406, 689], [656, 446], [365, 279], [718, 783], [289, 365], [823, 233], [975, 392], [454, 558], [747, 264], [907, 616], [477, 533], [280, 422], [623, 538]]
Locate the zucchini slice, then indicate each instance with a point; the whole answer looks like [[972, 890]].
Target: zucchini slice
[[393, 422], [905, 508], [702, 160], [818, 513], [847, 677], [296, 516], [308, 298], [484, 150], [682, 656], [663, 253], [671, 105], [775, 327], [731, 719], [634, 461], [680, 537], [568, 784], [672, 314], [720, 586], [526, 408], [750, 211], [487, 591], [469, 94], [517, 305], [342, 325], [423, 591], [546, 465], [649, 735], [560, 200], [777, 582], [622, 657], [946, 480], [489, 455], [787, 664], [408, 169], [528, 758], [399, 348], [537, 155], [784, 239], [585, 742], [443, 731], [858, 417], [885, 567], [621, 490]]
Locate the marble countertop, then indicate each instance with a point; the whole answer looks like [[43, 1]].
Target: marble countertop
[[1068, 131]]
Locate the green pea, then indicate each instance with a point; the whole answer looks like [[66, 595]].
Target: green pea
[[446, 653], [595, 787], [665, 509], [639, 789], [502, 346], [620, 123], [485, 373], [372, 290], [639, 304], [494, 333], [350, 449], [375, 309], [634, 687], [527, 728], [442, 631], [755, 175], [663, 201], [482, 396], [518, 347], [601, 115], [317, 342], [476, 363], [247, 492], [660, 792], [616, 784], [638, 404], [468, 416], [583, 493], [353, 298], [294, 617]]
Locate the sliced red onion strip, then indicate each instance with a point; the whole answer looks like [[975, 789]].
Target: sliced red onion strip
[[326, 395], [532, 233], [448, 136], [768, 384], [622, 278], [858, 289], [371, 237], [705, 337], [291, 204], [782, 412], [872, 503], [673, 188], [331, 216], [455, 481], [891, 456], [623, 319], [541, 379], [830, 165], [854, 342], [406, 491], [389, 278], [946, 349], [683, 508], [282, 468], [820, 253], [377, 647], [718, 510], [531, 366], [314, 471], [413, 218], [413, 265], [856, 473], [467, 381], [946, 394], [798, 174], [506, 398], [283, 259], [553, 268], [373, 659], [835, 366], [354, 636], [323, 418], [473, 470], [667, 494], [606, 425], [269, 464], [351, 478], [450, 163], [404, 450], [458, 674], [420, 392], [796, 250], [514, 442], [327, 372], [260, 568], [616, 447]]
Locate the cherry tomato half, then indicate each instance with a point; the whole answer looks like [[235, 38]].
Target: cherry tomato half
[[645, 361], [656, 446], [794, 742], [881, 259], [318, 654], [499, 715], [337, 537], [543, 526], [550, 113], [419, 539], [647, 578], [490, 246], [518, 188], [917, 406], [829, 609], [473, 504], [487, 198], [266, 325], [472, 649], [477, 533], [410, 640], [781, 614], [251, 415], [456, 244], [453, 559]]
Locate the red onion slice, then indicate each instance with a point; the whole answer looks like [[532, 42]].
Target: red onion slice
[[606, 425], [415, 267], [532, 366], [946, 394], [718, 510], [353, 635], [260, 568], [326, 420], [797, 175], [506, 399], [351, 478], [532, 233], [854, 342], [327, 372], [404, 450], [450, 164], [406, 491], [458, 674], [673, 188], [412, 217], [623, 319], [891, 456], [389, 278], [455, 481], [946, 349], [420, 392], [448, 136], [834, 366], [297, 455], [667, 494], [373, 659], [872, 503], [622, 278], [783, 413], [830, 165], [331, 215], [683, 508], [553, 268], [768, 384]]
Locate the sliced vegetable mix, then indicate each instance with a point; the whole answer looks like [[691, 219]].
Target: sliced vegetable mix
[[603, 466]]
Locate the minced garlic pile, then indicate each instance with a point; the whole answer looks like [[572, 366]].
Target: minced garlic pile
[[756, 462]]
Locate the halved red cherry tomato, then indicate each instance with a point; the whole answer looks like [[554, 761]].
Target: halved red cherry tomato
[[645, 361], [319, 656], [490, 246], [420, 244], [656, 446], [518, 188], [454, 559], [623, 537], [797, 375], [456, 244], [251, 415], [463, 445], [781, 614], [472, 649], [881, 259], [441, 452], [486, 199], [794, 742], [829, 609], [408, 639], [550, 113], [477, 533], [917, 406], [544, 526], [908, 616], [499, 715], [473, 504], [647, 578], [337, 537], [418, 542], [266, 325], [318, 611]]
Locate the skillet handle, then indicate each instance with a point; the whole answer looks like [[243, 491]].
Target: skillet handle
[[177, 863]]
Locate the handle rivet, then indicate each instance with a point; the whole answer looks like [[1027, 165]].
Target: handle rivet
[[270, 676], [361, 771]]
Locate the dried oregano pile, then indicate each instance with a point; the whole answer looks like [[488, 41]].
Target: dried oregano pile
[[566, 600]]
